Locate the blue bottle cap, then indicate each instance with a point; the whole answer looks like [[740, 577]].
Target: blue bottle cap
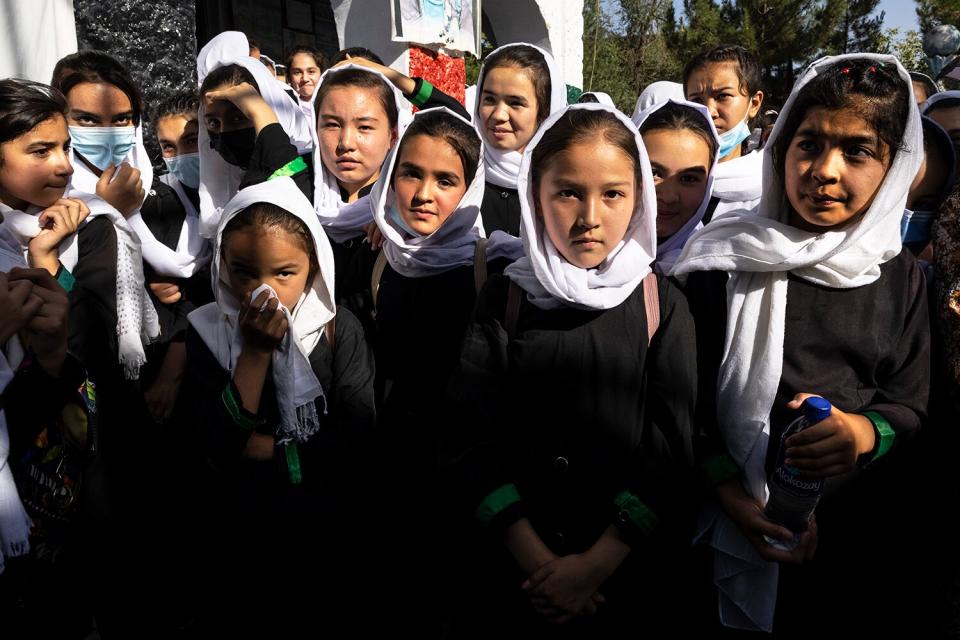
[[816, 409]]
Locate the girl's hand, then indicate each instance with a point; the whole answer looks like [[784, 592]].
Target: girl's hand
[[248, 100], [262, 323], [161, 397], [18, 304], [831, 447], [747, 514], [167, 292], [374, 235], [567, 587], [47, 329], [122, 188], [57, 222], [399, 80]]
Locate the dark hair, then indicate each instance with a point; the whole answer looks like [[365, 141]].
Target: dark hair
[[461, 137], [531, 62], [318, 57], [874, 89], [356, 52], [946, 103], [588, 97], [185, 103], [746, 64], [937, 141], [928, 83], [261, 216], [362, 80], [578, 126], [675, 116], [24, 105], [252, 44], [228, 75], [97, 67]]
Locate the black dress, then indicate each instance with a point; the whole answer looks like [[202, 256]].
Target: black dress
[[865, 349], [500, 209], [576, 412], [299, 544]]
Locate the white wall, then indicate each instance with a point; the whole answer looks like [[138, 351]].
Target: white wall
[[34, 35], [555, 25]]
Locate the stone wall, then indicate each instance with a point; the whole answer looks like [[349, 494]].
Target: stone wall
[[156, 40]]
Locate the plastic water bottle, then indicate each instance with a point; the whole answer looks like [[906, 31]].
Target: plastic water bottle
[[792, 496]]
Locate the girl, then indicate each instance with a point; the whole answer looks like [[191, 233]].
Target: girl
[[40, 379], [726, 80], [250, 130], [519, 86], [929, 190], [360, 115], [682, 145], [944, 109], [432, 262], [571, 448], [819, 299], [280, 394]]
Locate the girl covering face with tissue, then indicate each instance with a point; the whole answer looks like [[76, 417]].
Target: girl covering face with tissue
[[280, 391]]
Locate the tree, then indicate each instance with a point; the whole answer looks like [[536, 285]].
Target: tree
[[908, 48], [858, 30], [934, 12]]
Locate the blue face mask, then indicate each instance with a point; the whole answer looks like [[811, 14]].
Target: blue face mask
[[397, 219], [730, 140], [103, 146], [186, 169], [915, 227]]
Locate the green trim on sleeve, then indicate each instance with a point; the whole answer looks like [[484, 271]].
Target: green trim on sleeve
[[292, 168], [66, 279], [632, 508], [496, 502], [293, 462], [233, 408], [717, 468], [423, 94], [885, 433]]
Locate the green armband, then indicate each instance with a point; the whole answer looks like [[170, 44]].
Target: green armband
[[233, 408], [423, 94], [292, 168], [293, 462], [632, 509], [717, 468], [66, 279], [884, 432], [496, 502]]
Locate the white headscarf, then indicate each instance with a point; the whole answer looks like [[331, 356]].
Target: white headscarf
[[503, 167], [759, 249], [216, 323], [137, 322], [15, 522], [192, 251], [220, 180], [669, 250], [602, 98], [739, 181], [453, 243], [549, 280], [656, 93], [343, 221], [938, 97]]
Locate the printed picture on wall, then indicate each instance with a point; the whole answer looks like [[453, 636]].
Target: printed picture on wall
[[454, 24]]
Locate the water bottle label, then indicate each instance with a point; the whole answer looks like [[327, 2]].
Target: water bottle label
[[790, 479]]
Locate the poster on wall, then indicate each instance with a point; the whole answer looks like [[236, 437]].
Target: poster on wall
[[452, 24]]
